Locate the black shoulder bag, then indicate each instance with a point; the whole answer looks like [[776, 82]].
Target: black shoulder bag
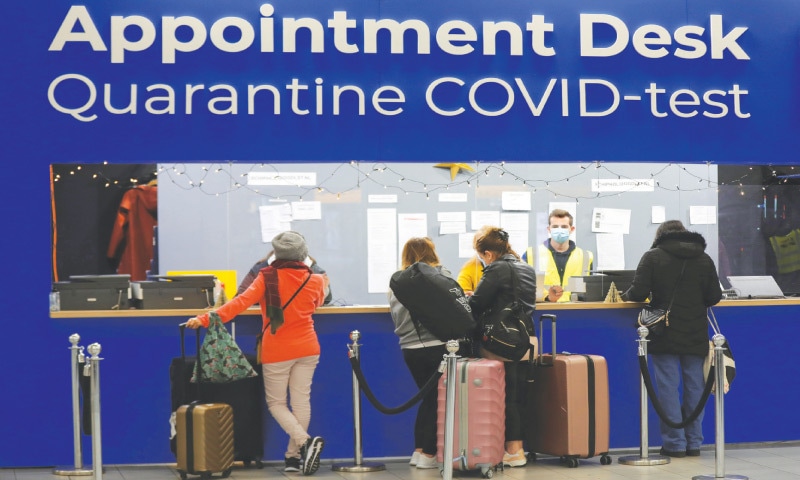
[[504, 331]]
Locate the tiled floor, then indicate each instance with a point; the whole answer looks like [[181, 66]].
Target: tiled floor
[[757, 462]]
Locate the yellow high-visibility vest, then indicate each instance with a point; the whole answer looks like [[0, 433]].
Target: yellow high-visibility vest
[[578, 264], [787, 251]]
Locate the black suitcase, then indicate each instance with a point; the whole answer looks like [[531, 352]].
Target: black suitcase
[[246, 398]]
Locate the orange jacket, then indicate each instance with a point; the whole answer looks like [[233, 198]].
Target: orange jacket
[[296, 337]]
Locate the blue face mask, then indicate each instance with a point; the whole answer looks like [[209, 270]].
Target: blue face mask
[[560, 235]]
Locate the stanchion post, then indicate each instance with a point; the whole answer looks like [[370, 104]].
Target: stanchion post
[[451, 360], [644, 458], [719, 441], [77, 357], [358, 465], [94, 382]]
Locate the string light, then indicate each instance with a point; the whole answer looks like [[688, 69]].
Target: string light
[[184, 178]]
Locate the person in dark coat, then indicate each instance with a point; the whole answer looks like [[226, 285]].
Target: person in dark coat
[[677, 270], [494, 291], [264, 262]]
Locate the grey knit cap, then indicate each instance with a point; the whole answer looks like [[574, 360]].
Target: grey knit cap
[[290, 245]]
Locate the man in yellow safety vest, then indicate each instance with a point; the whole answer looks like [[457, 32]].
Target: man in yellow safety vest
[[559, 258]]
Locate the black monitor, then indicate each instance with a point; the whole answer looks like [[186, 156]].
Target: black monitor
[[599, 282]]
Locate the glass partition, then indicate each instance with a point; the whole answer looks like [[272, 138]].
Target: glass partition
[[356, 215]]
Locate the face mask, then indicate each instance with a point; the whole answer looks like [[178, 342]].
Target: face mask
[[560, 235]]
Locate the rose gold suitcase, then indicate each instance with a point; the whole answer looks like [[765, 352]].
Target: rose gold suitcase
[[568, 406], [204, 439], [480, 415]]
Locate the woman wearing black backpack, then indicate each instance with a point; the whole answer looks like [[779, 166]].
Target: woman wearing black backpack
[[422, 352]]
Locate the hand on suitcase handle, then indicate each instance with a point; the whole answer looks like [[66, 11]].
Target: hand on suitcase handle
[[193, 323]]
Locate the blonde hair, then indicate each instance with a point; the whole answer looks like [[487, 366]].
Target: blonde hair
[[419, 249], [492, 239]]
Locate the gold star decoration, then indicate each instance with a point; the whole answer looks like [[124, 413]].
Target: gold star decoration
[[455, 168]]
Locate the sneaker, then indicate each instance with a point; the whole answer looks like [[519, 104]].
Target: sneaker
[[310, 454], [426, 462], [668, 453], [292, 464], [516, 460], [414, 459], [692, 452]]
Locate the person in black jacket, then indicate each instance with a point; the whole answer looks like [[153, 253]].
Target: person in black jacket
[[264, 262], [494, 291], [677, 270]]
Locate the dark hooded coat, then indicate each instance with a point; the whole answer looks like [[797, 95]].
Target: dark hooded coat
[[657, 277]]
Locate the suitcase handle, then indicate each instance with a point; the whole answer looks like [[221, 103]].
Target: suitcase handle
[[552, 318], [198, 370], [182, 327]]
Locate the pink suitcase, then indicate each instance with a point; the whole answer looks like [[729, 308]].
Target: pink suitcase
[[480, 418], [568, 405]]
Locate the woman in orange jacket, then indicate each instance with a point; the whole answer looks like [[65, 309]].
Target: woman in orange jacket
[[288, 293]]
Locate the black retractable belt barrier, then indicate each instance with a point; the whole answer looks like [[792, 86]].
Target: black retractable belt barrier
[[358, 465], [660, 410], [644, 458], [431, 383], [718, 371], [77, 361]]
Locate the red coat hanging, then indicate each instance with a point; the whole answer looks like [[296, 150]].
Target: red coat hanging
[[132, 235]]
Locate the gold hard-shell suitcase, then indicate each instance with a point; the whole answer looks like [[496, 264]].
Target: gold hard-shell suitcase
[[204, 439]]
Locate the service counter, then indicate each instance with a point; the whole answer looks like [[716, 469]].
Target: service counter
[[138, 346]]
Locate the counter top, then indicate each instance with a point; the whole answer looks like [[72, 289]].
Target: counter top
[[328, 310]]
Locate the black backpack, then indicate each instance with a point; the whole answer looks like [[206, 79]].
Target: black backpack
[[434, 300]]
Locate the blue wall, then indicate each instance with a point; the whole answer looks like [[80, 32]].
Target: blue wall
[[759, 129], [35, 134], [136, 403]]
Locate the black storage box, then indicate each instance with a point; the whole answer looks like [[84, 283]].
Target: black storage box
[[94, 292], [596, 286], [177, 291]]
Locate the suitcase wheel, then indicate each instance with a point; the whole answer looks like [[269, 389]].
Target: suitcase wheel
[[487, 472], [183, 474], [226, 473], [572, 462], [605, 460]]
